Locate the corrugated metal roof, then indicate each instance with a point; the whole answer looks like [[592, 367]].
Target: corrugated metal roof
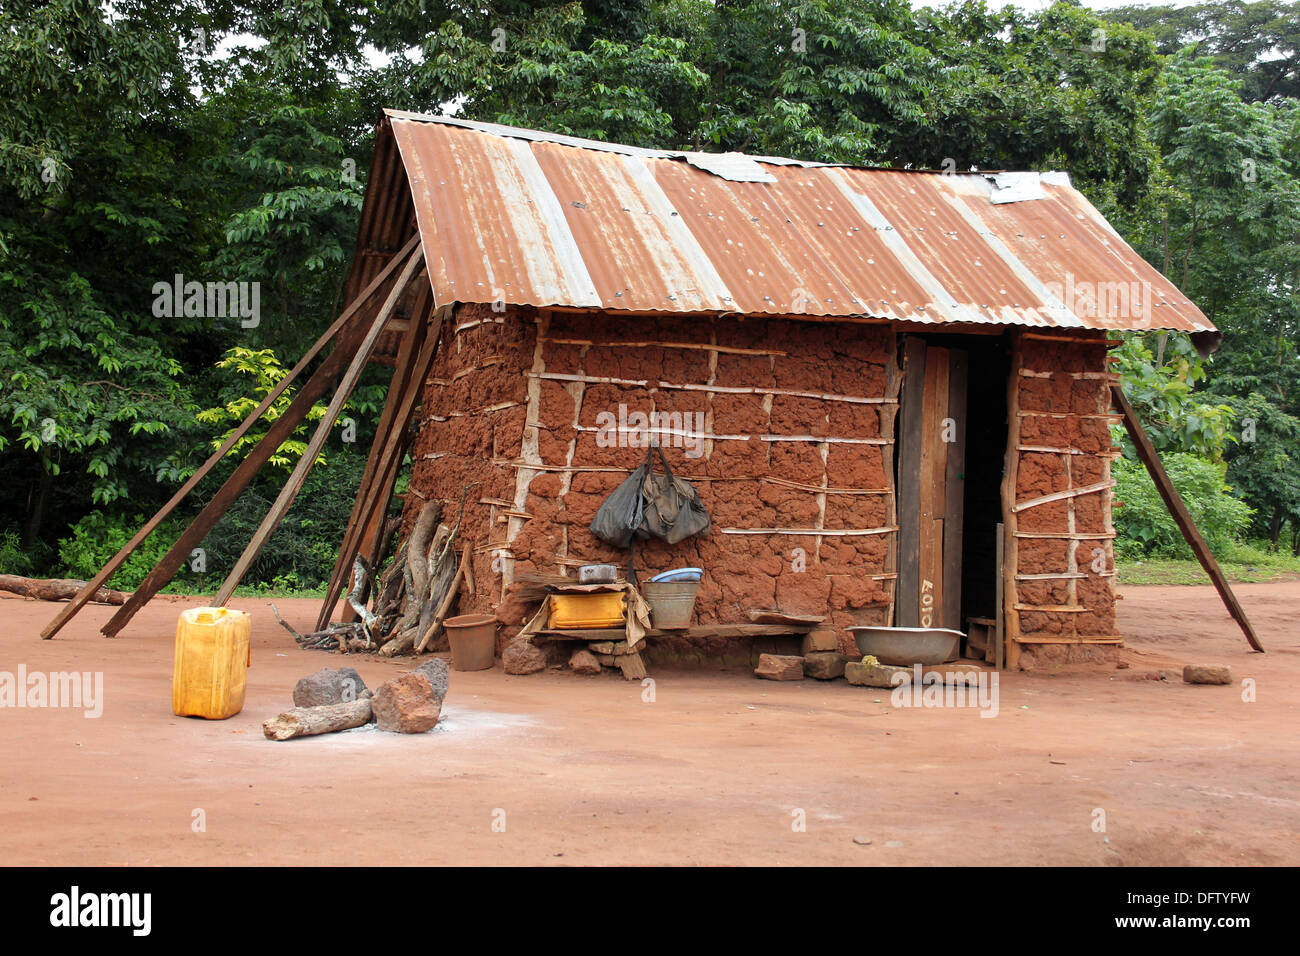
[[531, 218]]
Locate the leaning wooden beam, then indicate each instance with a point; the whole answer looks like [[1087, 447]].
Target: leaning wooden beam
[[359, 519], [372, 538], [108, 570], [323, 428], [1182, 517], [389, 447], [278, 432]]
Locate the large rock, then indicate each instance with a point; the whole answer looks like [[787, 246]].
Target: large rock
[[779, 667], [439, 673], [823, 665], [875, 675], [523, 657], [406, 705], [583, 662], [329, 686], [1207, 674]]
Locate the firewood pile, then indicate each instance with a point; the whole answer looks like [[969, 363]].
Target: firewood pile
[[405, 612]]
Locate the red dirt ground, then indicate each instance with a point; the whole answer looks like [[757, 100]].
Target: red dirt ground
[[709, 773]]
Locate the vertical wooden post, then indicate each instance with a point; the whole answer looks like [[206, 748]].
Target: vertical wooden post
[[1010, 564], [908, 590], [954, 509], [999, 634]]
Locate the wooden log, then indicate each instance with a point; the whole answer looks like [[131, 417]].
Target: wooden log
[[323, 428], [119, 559], [58, 589], [631, 666], [435, 626], [1182, 517], [1009, 632], [325, 719]]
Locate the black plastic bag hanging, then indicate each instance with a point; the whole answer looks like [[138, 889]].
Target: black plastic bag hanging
[[672, 509], [621, 515]]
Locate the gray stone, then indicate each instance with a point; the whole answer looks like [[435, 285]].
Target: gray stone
[[329, 686], [406, 705], [1207, 674], [439, 673]]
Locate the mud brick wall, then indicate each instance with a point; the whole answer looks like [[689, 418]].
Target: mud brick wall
[[515, 400], [1064, 537]]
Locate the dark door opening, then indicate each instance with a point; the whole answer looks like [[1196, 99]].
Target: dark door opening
[[951, 447]]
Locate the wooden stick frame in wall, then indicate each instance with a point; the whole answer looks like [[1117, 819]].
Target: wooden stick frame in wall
[[1009, 615]]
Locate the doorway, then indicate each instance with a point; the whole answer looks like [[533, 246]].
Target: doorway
[[952, 437]]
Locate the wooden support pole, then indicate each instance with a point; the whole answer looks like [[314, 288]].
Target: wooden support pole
[[280, 430], [373, 498], [323, 428], [1182, 517], [108, 570], [1009, 565], [358, 518]]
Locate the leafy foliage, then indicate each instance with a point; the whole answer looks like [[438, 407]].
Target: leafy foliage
[[229, 141], [1144, 524], [97, 537]]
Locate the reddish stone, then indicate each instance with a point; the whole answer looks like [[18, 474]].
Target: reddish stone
[[406, 705]]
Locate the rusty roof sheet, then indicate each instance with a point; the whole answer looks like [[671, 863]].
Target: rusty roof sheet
[[531, 218]]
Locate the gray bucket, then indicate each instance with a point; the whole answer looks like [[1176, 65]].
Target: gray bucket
[[671, 602]]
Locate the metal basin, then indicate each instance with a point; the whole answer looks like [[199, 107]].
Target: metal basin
[[904, 646]]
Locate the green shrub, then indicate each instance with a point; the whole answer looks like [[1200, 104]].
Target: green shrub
[[301, 553], [13, 560], [1144, 525], [97, 537]]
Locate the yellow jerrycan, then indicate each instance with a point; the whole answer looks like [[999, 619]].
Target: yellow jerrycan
[[213, 654]]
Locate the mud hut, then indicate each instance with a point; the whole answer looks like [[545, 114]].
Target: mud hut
[[868, 374], [891, 388]]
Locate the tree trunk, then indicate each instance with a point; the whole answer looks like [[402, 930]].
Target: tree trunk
[[56, 589], [36, 516]]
